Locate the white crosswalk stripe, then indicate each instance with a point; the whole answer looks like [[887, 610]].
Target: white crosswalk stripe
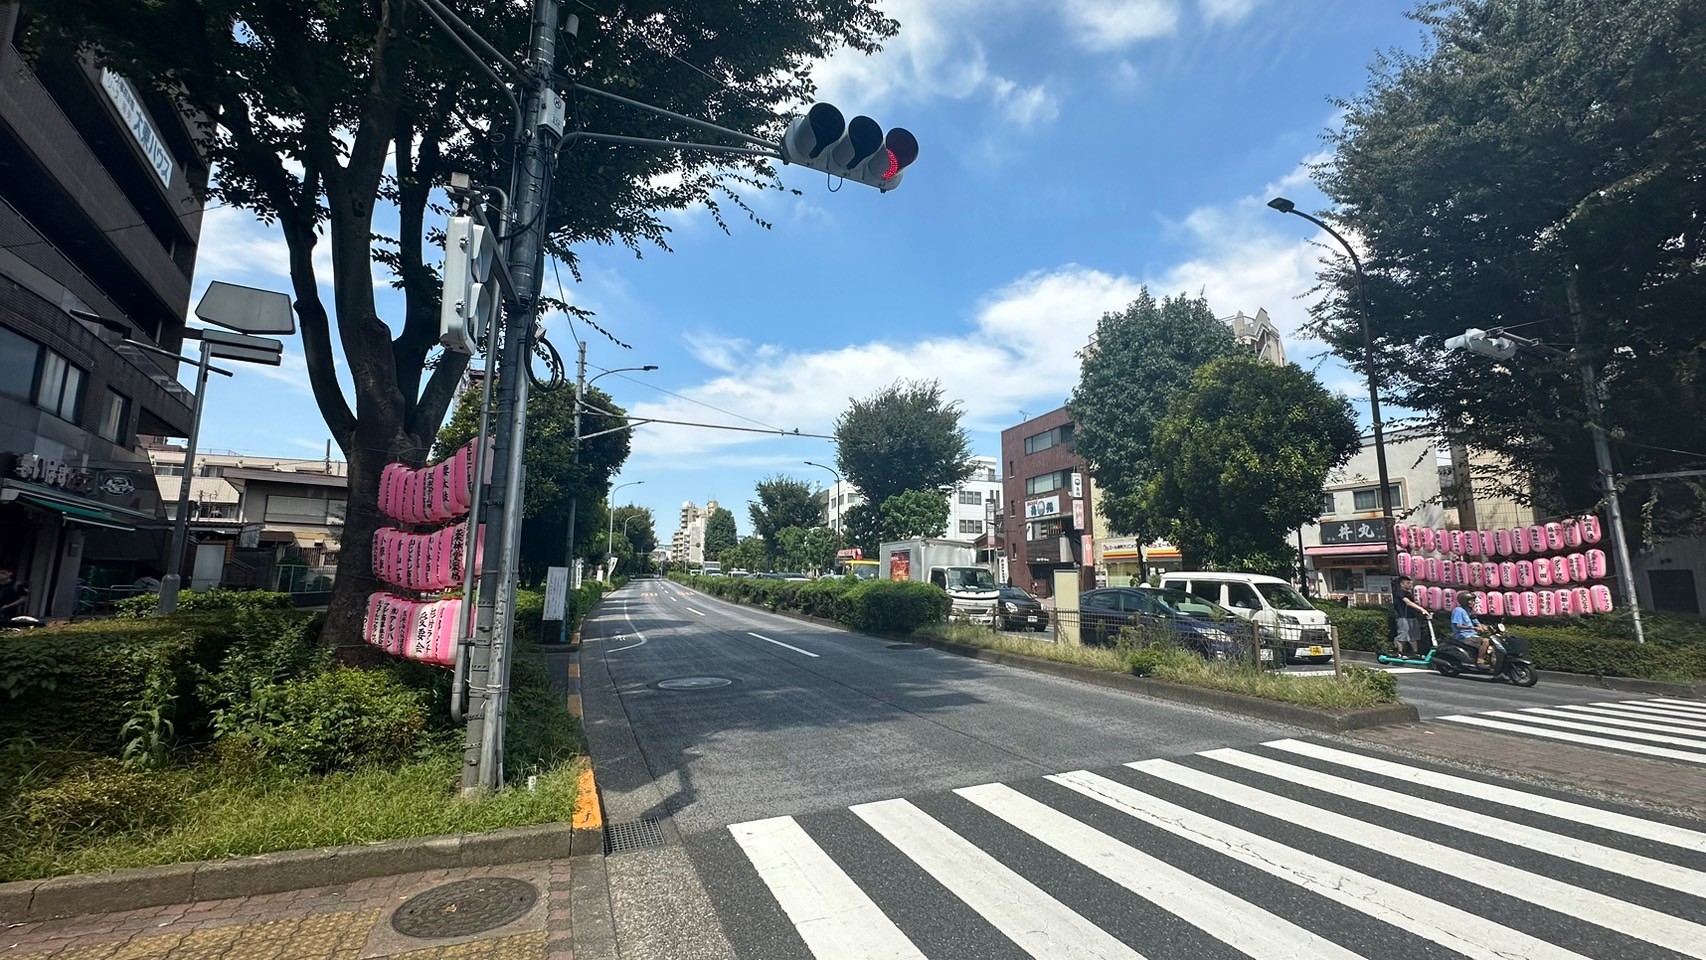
[[1660, 727], [1632, 887]]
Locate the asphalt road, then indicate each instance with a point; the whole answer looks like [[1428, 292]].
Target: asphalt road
[[845, 797]]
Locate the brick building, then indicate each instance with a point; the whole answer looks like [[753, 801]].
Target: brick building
[[1047, 520]]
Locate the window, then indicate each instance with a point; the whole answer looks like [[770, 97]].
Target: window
[[1009, 468], [1047, 439], [115, 417], [168, 470], [971, 526], [1207, 589], [299, 509], [1101, 601], [1368, 498], [972, 498], [1047, 529], [1329, 504], [1048, 482], [59, 389], [1241, 596], [18, 357], [210, 470]]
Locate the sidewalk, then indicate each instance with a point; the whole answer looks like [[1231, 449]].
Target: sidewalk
[[346, 922]]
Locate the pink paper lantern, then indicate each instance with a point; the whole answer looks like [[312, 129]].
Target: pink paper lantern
[[1596, 563], [1513, 604], [1600, 594], [1490, 575], [1578, 564], [1429, 541], [1448, 599], [1566, 602], [1477, 604], [1572, 534], [1404, 565], [1582, 600], [1560, 570], [1507, 574], [1495, 604], [1433, 570], [1525, 573], [1471, 573], [1590, 528], [1472, 543], [1402, 532], [1502, 543], [1448, 572], [1554, 536], [1537, 539], [1543, 572], [1530, 604], [1548, 603], [1435, 597]]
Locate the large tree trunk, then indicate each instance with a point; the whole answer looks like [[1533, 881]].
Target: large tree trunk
[[376, 444]]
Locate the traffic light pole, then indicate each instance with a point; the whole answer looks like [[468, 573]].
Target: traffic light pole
[[489, 656]]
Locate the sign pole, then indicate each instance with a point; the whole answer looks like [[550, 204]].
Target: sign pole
[[168, 601]]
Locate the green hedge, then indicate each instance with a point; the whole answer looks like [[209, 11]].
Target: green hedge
[[880, 605], [142, 606]]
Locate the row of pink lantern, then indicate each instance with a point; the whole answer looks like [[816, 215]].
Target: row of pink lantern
[[424, 561], [1544, 572], [423, 630], [443, 491], [1566, 602], [1541, 538]]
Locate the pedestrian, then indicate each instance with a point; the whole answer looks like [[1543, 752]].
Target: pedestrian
[[1410, 615]]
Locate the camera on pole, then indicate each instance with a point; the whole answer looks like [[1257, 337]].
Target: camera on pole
[[1480, 341], [856, 149]]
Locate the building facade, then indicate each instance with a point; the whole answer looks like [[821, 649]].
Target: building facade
[[98, 218], [1048, 523], [688, 544], [1258, 335]]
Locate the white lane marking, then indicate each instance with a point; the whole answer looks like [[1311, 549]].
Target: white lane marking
[[832, 915], [1599, 729], [1642, 923], [1460, 931], [1234, 921], [1641, 708], [1329, 672], [1538, 803], [1633, 723], [691, 610], [1696, 706], [1041, 925], [1623, 745], [631, 626], [781, 644], [1658, 872]]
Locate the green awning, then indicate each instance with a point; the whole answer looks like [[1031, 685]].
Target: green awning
[[83, 515]]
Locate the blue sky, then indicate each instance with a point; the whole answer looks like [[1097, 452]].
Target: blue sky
[[1070, 152]]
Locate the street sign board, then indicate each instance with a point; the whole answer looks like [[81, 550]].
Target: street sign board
[[237, 346], [556, 592], [246, 309]]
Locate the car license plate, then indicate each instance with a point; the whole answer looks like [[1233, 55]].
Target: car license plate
[[1267, 654], [1316, 651], [1030, 619]]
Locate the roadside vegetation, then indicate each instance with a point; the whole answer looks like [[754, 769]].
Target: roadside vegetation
[[879, 605], [1143, 656], [231, 730]]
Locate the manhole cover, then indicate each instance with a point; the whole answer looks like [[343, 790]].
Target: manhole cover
[[464, 907], [906, 646], [692, 683]]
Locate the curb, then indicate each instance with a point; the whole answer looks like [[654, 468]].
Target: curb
[[587, 821], [1668, 688], [1321, 720], [138, 887]]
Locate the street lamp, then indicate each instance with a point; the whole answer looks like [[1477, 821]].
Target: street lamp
[[1286, 206], [837, 489], [610, 533], [581, 383]]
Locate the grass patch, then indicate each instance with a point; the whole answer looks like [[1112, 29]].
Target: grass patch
[[235, 808], [1359, 687]]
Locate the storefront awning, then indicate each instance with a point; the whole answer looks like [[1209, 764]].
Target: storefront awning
[[83, 515], [1348, 550]]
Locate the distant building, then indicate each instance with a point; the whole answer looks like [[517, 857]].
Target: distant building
[[688, 543], [1258, 335], [1047, 520], [969, 515]]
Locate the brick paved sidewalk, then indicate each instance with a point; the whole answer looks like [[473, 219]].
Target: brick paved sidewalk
[[1678, 787], [345, 922]]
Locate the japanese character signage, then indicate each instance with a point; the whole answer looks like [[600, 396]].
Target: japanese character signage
[[1337, 532], [53, 473], [135, 117]]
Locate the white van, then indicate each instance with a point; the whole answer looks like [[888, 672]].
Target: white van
[[1304, 631]]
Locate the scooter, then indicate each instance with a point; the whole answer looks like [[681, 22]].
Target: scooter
[[1509, 658]]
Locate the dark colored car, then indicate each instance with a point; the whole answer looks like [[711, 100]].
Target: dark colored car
[[1018, 610], [1196, 624]]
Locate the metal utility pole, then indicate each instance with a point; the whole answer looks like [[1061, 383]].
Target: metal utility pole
[[488, 661], [575, 501], [1602, 454], [171, 582]]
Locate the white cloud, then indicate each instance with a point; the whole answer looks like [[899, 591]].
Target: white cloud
[[1026, 106], [1115, 24], [1226, 11]]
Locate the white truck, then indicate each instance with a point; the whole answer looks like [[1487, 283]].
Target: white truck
[[949, 564]]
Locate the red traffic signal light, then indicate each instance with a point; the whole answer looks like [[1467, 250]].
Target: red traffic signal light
[[857, 150]]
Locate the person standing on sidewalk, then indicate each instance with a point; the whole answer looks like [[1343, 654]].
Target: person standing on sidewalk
[[1409, 615]]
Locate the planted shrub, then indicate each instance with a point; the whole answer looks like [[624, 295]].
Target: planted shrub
[[142, 606], [887, 605], [339, 720], [100, 797]]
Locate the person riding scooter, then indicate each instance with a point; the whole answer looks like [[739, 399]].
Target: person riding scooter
[[1467, 630]]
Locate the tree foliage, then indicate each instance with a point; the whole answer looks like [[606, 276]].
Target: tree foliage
[[1144, 356], [783, 502], [818, 548], [863, 526], [1241, 459], [1528, 145], [903, 437], [553, 477], [915, 513], [316, 115], [749, 555], [720, 532], [633, 538]]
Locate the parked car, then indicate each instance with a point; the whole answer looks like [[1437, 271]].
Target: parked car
[[1018, 610], [1287, 618], [1194, 623], [797, 577]]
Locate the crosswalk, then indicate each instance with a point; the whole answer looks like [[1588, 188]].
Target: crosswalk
[[1290, 849], [1661, 727]]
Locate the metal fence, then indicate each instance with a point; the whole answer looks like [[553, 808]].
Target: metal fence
[[1232, 639], [293, 578]]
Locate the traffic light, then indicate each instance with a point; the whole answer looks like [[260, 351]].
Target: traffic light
[[857, 150], [470, 294], [1488, 345]]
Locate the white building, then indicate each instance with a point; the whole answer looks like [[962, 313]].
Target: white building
[[1259, 335], [969, 503], [688, 543]]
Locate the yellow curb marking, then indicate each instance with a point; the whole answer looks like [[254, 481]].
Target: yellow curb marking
[[575, 704], [588, 815], [574, 670]]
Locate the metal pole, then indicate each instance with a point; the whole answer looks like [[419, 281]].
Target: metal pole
[[1602, 454], [476, 516], [574, 501], [168, 601], [488, 662]]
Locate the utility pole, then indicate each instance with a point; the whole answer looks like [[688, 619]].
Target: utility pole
[[488, 664], [575, 501], [1602, 454]]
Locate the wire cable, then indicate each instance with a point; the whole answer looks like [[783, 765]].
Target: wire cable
[[678, 396]]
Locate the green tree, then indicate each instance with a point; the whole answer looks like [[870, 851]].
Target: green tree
[[864, 528], [783, 502], [1559, 145], [315, 113], [749, 555], [817, 550], [553, 477], [1241, 459], [903, 437], [788, 549], [720, 532], [635, 538], [915, 513], [1144, 356]]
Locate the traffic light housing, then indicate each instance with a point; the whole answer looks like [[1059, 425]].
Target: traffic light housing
[[856, 150], [470, 293], [1480, 341]]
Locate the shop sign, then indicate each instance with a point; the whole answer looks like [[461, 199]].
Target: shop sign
[[1045, 507], [1124, 548], [53, 473], [1077, 514], [1336, 532], [130, 108], [115, 484], [1077, 485]]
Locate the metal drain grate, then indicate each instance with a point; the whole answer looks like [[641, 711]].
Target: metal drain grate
[[639, 834]]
